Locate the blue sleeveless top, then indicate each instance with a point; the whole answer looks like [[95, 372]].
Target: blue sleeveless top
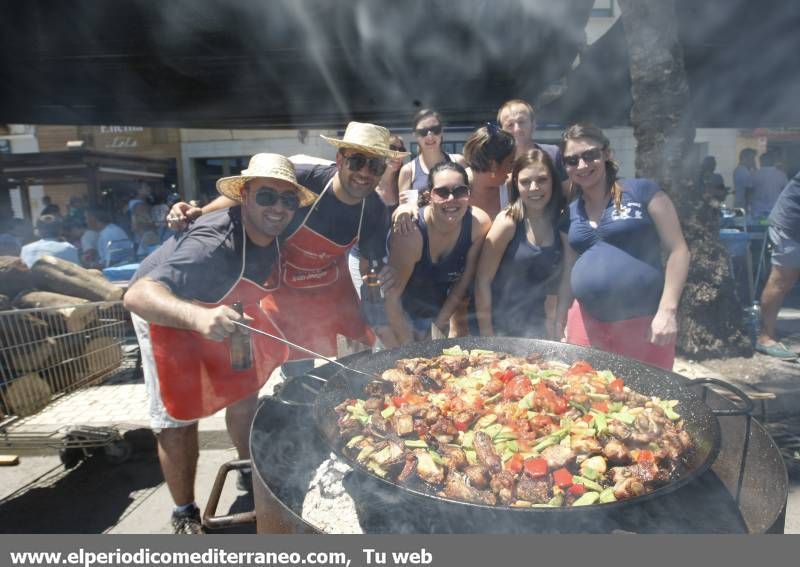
[[420, 182], [429, 284], [526, 275]]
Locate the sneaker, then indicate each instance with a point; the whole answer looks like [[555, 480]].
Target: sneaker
[[244, 480], [187, 522], [776, 349]]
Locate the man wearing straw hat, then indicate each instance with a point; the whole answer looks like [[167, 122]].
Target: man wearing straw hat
[[316, 300], [185, 298]]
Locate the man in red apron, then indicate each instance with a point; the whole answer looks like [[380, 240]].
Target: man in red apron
[[316, 300], [182, 301]]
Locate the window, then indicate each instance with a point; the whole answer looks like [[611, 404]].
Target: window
[[208, 170], [603, 9]]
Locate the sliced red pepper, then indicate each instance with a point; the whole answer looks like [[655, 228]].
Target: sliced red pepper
[[600, 406], [517, 388], [409, 398], [580, 367], [616, 385], [541, 421], [562, 477], [463, 420], [577, 490], [588, 418], [515, 463], [536, 467], [645, 456], [559, 405]]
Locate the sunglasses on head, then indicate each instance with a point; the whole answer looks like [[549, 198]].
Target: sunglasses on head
[[269, 196], [589, 156], [458, 192], [435, 130], [355, 162], [397, 148]]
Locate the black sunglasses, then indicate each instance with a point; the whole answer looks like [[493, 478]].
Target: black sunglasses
[[269, 196], [458, 192], [589, 156], [355, 162], [435, 130], [397, 148]]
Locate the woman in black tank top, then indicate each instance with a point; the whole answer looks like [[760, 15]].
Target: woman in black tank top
[[520, 263], [434, 265]]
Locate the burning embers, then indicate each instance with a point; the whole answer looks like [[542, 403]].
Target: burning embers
[[492, 429]]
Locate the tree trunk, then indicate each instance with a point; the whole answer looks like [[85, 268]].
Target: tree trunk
[[710, 314]]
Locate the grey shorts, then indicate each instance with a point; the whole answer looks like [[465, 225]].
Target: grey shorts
[[159, 418], [785, 251]]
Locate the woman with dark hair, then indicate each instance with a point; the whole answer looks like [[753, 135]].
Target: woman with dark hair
[[428, 130], [614, 234], [434, 266], [520, 262], [489, 152]]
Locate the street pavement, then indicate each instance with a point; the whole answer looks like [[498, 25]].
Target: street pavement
[[40, 496]]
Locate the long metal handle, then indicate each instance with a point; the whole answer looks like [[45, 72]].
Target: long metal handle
[[304, 349], [745, 406]]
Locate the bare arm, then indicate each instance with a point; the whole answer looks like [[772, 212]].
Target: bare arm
[[181, 214], [155, 303], [565, 296], [664, 328], [494, 247], [405, 250], [480, 226]]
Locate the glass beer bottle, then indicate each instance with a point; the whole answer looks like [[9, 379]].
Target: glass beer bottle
[[240, 346]]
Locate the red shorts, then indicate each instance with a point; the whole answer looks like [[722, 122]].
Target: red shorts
[[628, 337]]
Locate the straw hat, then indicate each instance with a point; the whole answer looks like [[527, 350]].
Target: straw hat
[[265, 166], [367, 138]]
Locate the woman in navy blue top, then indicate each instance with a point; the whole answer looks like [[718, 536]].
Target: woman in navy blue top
[[520, 262], [434, 266], [614, 234]]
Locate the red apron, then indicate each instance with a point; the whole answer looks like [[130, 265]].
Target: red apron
[[194, 373], [316, 299]]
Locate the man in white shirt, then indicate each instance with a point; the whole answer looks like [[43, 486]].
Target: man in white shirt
[[113, 244], [50, 244]]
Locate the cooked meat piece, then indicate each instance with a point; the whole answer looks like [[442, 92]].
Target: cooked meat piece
[[454, 458], [619, 430], [484, 450], [558, 456], [493, 387], [379, 388], [373, 404], [349, 426], [503, 484], [454, 363], [616, 452], [402, 424], [413, 409], [412, 365], [536, 490], [628, 488], [432, 415], [586, 446], [432, 380], [409, 468], [478, 476], [645, 473], [444, 426], [427, 469], [685, 439], [458, 489], [466, 417], [378, 425], [596, 463]]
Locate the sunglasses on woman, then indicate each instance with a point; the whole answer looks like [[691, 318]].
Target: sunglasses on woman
[[458, 192], [269, 196], [589, 156], [356, 162], [435, 130]]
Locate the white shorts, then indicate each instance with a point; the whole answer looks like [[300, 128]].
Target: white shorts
[[159, 418]]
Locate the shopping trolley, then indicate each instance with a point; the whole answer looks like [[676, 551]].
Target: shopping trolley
[[49, 353]]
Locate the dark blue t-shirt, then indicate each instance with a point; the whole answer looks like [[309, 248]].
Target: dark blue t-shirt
[[526, 275], [618, 274], [430, 283], [205, 261], [785, 214], [558, 159], [339, 221]]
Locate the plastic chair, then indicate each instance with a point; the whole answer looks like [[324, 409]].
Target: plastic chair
[[120, 252]]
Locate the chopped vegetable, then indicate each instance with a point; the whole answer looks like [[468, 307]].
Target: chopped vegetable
[[562, 477]]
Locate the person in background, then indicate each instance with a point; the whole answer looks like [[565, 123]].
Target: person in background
[[9, 245], [435, 265], [743, 178], [518, 118], [707, 169], [51, 243], [784, 232], [613, 237], [182, 300], [389, 186], [520, 263], [49, 208], [768, 182], [113, 245], [76, 209], [489, 152], [428, 129]]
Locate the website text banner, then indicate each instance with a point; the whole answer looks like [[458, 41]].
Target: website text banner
[[396, 551]]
